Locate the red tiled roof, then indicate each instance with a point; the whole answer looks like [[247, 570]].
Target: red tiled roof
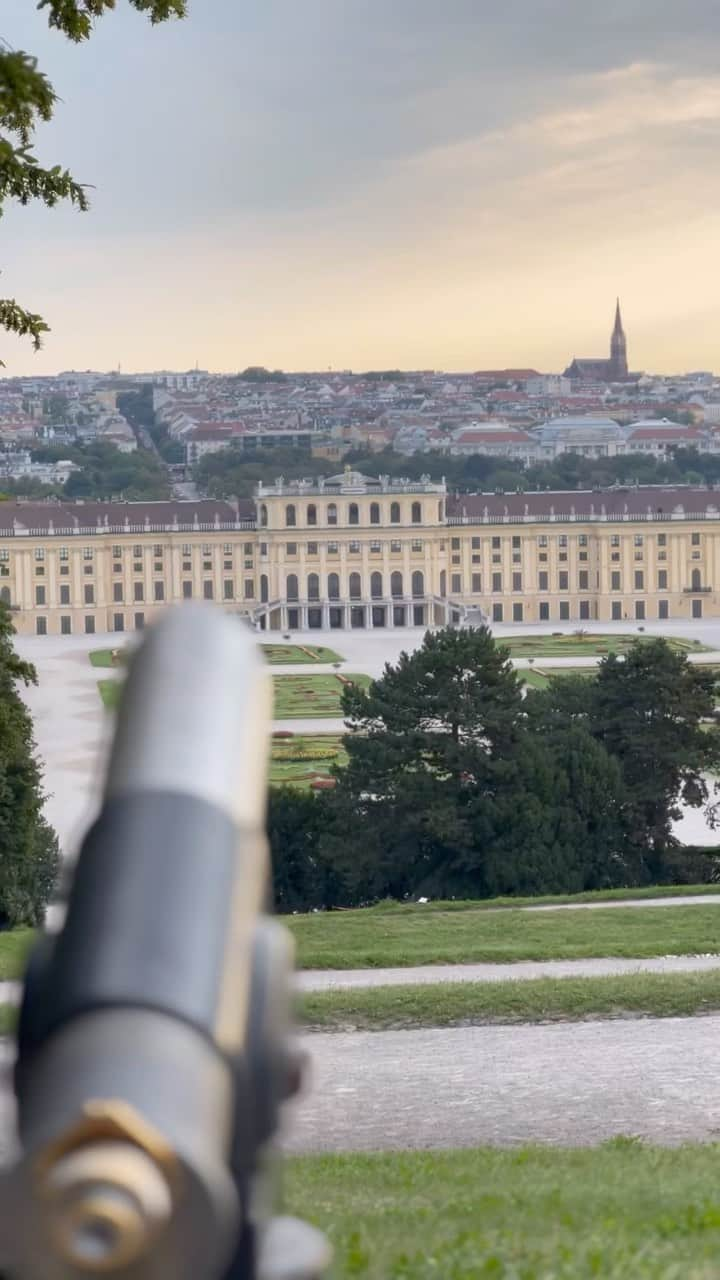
[[656, 499], [91, 515]]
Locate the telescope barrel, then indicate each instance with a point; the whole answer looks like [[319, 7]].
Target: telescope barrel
[[134, 1061]]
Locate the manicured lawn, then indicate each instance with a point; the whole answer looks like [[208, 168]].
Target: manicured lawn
[[658, 995], [537, 678], [312, 696], [590, 645], [301, 760], [552, 899], [536, 1213], [14, 947], [110, 691], [376, 939], [279, 654], [104, 657]]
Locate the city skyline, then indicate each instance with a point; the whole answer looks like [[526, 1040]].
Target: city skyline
[[369, 189]]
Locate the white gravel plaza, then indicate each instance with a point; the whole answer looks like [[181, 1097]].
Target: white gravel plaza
[[73, 729]]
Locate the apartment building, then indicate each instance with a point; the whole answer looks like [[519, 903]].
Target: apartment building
[[354, 551]]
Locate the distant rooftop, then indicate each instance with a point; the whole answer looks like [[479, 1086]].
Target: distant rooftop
[[640, 502]]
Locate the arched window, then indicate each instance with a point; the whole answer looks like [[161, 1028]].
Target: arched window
[[312, 514], [333, 586], [696, 579], [394, 512], [263, 515], [263, 588], [443, 583], [374, 512], [440, 511], [353, 513], [355, 586], [313, 586], [291, 587], [332, 513], [376, 586], [290, 515], [418, 583], [396, 584], [416, 514], [4, 595]]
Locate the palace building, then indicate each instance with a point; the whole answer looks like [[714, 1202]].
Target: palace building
[[354, 551]]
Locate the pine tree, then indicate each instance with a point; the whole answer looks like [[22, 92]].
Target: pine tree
[[28, 99], [430, 744], [29, 856], [302, 879], [648, 711]]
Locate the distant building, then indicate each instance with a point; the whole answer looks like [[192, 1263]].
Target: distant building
[[495, 440], [593, 437], [613, 370], [548, 384]]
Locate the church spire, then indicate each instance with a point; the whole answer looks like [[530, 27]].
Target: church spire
[[618, 348], [618, 318]]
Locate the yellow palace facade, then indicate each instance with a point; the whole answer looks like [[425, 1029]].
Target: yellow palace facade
[[362, 552]]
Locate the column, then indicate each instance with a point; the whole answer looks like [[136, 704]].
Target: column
[[326, 617]]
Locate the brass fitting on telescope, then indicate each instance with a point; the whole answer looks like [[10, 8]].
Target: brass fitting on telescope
[[108, 1184]]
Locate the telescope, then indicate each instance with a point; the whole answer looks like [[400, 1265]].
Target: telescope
[[155, 1047]]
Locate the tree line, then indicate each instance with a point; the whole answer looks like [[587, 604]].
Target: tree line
[[235, 473], [460, 783], [29, 856]]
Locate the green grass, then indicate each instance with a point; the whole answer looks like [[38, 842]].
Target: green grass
[[110, 691], [537, 678], [279, 654], [378, 939], [103, 657], [14, 947], [622, 1211], [8, 1019], [657, 995], [313, 696], [587, 646], [552, 899], [299, 760]]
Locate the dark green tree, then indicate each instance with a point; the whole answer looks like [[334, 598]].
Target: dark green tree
[[297, 820], [432, 743], [29, 857], [453, 788], [647, 712], [28, 99]]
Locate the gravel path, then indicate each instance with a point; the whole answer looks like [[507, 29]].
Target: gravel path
[[568, 1084], [342, 979], [565, 1084], [682, 900]]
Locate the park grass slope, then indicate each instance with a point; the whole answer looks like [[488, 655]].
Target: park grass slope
[[657, 995], [384, 939], [617, 1212]]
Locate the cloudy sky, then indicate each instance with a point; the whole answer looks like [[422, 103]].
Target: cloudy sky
[[364, 183]]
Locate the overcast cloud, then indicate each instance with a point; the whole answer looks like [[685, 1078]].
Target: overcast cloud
[[357, 182]]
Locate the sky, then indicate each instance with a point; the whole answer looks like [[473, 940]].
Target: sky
[[356, 184]]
